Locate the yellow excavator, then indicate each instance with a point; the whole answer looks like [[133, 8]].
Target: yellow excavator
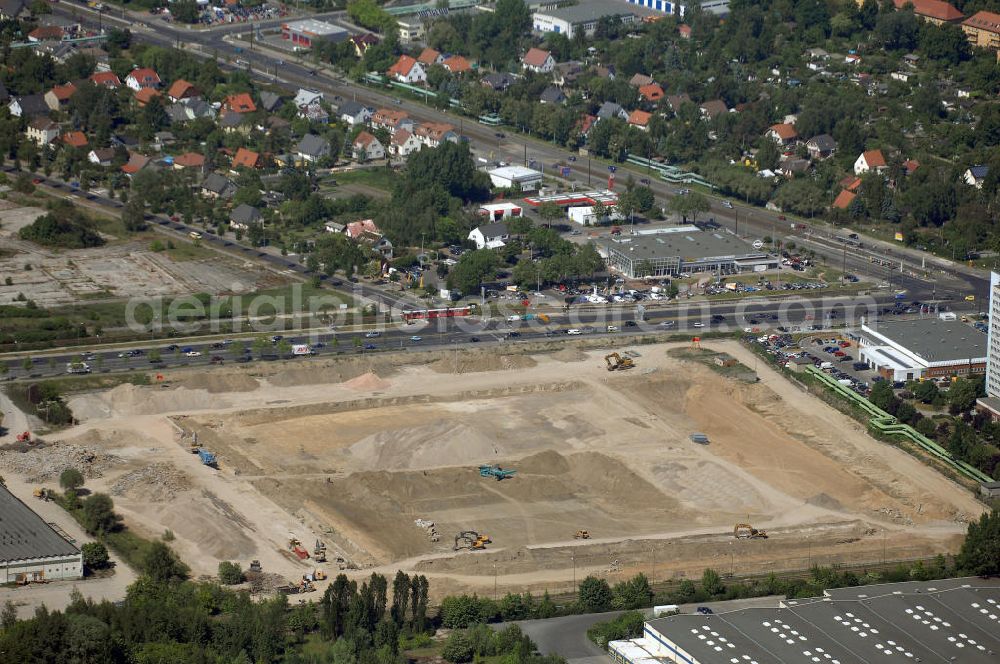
[[746, 531], [618, 363], [582, 534]]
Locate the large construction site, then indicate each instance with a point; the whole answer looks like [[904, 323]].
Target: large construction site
[[526, 468]]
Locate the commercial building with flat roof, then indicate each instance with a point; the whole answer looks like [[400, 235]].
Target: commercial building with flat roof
[[303, 33], [506, 177], [991, 402], [30, 549], [584, 15], [682, 249], [680, 8], [933, 621], [922, 348]]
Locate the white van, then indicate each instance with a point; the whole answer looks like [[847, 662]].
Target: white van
[[666, 610], [573, 331]]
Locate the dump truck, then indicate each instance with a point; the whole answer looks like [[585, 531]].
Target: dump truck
[[42, 493], [301, 349], [77, 368], [581, 534], [207, 458]]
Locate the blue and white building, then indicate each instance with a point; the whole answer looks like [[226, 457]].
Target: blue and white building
[[680, 8]]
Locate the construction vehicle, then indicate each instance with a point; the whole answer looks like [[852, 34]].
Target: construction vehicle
[[699, 438], [207, 458], [582, 534], [319, 551], [255, 566], [493, 470], [24, 437], [618, 363], [42, 493], [746, 531], [470, 539], [319, 575]]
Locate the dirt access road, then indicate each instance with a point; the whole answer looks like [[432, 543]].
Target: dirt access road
[[355, 450]]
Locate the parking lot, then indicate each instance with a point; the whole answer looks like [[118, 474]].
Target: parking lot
[[832, 353]]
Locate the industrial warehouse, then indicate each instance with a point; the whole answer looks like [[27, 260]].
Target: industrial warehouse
[[303, 33], [682, 249], [953, 620], [30, 550], [923, 348]]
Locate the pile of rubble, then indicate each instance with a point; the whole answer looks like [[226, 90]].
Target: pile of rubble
[[42, 464], [155, 482], [429, 527]]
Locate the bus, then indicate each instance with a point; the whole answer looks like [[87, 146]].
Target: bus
[[428, 314]]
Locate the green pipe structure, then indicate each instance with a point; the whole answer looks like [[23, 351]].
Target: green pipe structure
[[885, 423]]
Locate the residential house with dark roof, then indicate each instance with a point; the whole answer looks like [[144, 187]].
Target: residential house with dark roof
[[821, 146], [713, 109], [244, 216], [28, 106], [11, 10], [610, 109], [269, 101], [639, 80], [975, 176], [353, 113], [42, 131], [313, 148], [552, 95], [676, 101], [101, 156], [498, 81], [217, 186]]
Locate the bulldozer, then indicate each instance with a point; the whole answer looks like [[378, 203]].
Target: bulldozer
[[746, 531], [618, 363], [42, 493], [255, 566], [582, 534], [470, 539], [319, 551]]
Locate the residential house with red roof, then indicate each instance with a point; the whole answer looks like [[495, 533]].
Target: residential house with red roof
[[389, 119], [247, 159], [429, 57], [782, 133], [844, 200], [136, 162], [407, 70], [75, 139], [46, 33], [433, 134], [404, 143], [181, 89], [146, 95], [870, 160], [240, 103], [932, 11], [652, 92], [142, 77], [640, 119], [366, 147], [59, 96], [456, 64], [538, 61], [106, 78], [189, 160]]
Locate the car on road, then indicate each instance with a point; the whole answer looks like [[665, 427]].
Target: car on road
[[474, 340], [370, 346], [216, 359], [372, 334], [667, 323], [276, 338], [193, 353], [727, 204], [171, 347], [416, 337], [697, 325], [705, 611], [573, 331], [513, 335]]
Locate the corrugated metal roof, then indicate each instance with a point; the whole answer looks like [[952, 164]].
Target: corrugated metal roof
[[24, 534]]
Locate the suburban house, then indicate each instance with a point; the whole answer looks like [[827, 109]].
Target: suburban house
[[974, 176], [190, 109], [101, 156], [269, 101], [429, 57], [713, 109], [497, 81], [983, 30], [106, 78], [404, 143], [143, 77], [870, 160], [243, 216], [584, 124], [136, 162], [217, 186], [538, 61], [11, 10], [59, 96], [312, 148], [490, 236], [28, 106], [651, 93], [146, 95], [610, 109], [552, 95], [364, 230], [42, 131], [75, 139], [363, 42], [45, 33], [821, 146], [353, 113], [247, 159], [639, 80], [333, 227], [305, 98], [366, 147], [239, 103], [640, 119], [407, 70], [676, 101], [433, 134], [181, 89], [782, 133], [191, 160], [456, 64], [566, 73]]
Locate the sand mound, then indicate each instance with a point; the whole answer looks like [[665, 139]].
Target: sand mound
[[156, 482], [544, 463], [214, 383], [446, 442], [128, 399], [478, 361], [825, 501], [367, 382], [569, 355]]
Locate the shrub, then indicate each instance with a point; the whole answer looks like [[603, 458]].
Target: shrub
[[230, 573], [95, 555]]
